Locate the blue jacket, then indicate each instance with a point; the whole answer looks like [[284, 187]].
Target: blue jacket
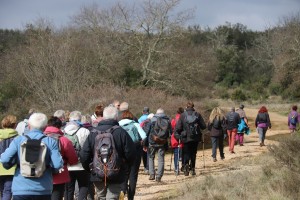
[[34, 186], [143, 118]]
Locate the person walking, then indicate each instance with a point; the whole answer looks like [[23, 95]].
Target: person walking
[[109, 189], [176, 145], [232, 121], [67, 152], [133, 127], [7, 134], [216, 126], [262, 123], [159, 133], [239, 137], [28, 188], [188, 130], [293, 119]]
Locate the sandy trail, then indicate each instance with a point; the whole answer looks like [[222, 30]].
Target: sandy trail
[[147, 189]]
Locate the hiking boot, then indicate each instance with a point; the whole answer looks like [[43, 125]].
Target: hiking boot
[[214, 159], [261, 144], [241, 144], [193, 172], [152, 177], [122, 196], [176, 172], [186, 170], [182, 168], [222, 158], [158, 179], [146, 171]]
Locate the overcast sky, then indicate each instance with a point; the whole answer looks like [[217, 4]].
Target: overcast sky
[[255, 14]]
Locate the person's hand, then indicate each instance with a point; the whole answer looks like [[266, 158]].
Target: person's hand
[[145, 148], [61, 170]]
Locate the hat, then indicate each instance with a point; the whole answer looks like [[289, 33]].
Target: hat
[[242, 106], [124, 106], [146, 109]]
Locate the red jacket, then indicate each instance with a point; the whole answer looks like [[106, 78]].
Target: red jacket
[[174, 141], [67, 152]]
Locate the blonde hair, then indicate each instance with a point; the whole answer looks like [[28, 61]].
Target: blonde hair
[[9, 121], [216, 112]]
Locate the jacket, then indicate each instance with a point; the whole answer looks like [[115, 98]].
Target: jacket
[[214, 132], [82, 134], [67, 152], [34, 186], [124, 146], [263, 120], [152, 124], [174, 141], [137, 125], [293, 114], [180, 130], [6, 137]]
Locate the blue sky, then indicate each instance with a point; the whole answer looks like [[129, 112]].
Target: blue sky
[[255, 14]]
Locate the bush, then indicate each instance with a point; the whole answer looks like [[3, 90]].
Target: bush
[[238, 95]]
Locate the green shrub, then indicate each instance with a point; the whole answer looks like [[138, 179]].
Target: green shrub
[[238, 95]]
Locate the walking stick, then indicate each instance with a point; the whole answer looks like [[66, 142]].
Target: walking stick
[[203, 150]]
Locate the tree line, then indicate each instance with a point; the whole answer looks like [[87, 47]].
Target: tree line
[[145, 46]]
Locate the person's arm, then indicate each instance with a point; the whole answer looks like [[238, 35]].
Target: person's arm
[[268, 120], [69, 152], [141, 131], [8, 157], [86, 152], [128, 147], [201, 122], [56, 159]]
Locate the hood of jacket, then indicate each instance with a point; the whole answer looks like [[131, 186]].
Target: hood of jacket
[[161, 115], [71, 127], [125, 121], [52, 129], [7, 133]]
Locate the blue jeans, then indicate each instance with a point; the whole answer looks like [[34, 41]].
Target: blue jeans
[[5, 187], [177, 157], [262, 133], [217, 142]]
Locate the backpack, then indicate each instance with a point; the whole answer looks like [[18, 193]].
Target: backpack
[[217, 123], [293, 120], [32, 157], [191, 122], [106, 162], [74, 139], [56, 137], [133, 132], [160, 131]]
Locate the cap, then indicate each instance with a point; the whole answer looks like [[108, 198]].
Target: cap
[[146, 109]]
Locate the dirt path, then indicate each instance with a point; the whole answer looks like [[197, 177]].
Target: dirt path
[[147, 189]]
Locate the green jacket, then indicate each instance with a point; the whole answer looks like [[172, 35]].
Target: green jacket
[[6, 134]]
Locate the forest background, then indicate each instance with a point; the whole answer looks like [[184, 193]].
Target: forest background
[[148, 56]]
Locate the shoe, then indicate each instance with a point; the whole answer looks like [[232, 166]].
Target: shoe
[[241, 144], [214, 159], [263, 144], [146, 171], [186, 170], [182, 169], [122, 196], [176, 172], [152, 177], [193, 172], [232, 152], [222, 158], [260, 144], [235, 142], [158, 179]]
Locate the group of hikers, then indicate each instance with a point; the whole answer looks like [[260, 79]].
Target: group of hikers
[[74, 156]]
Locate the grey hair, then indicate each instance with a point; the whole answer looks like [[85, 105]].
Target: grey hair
[[75, 115], [110, 112], [59, 114], [86, 119], [160, 111], [37, 121]]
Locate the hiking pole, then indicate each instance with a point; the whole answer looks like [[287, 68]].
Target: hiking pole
[[203, 150], [171, 159]]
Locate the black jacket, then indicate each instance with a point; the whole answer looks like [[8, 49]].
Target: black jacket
[[124, 146], [181, 127]]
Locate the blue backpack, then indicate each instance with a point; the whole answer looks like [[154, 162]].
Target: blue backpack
[[132, 130]]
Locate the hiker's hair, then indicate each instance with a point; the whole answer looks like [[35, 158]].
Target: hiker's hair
[[294, 108], [124, 106], [55, 121], [37, 121], [60, 114], [75, 115], [190, 104], [232, 109], [116, 103], [216, 112], [9, 121], [99, 110], [86, 119], [110, 112], [263, 109], [160, 111], [180, 110], [127, 115]]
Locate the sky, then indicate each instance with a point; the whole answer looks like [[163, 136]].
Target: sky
[[257, 15]]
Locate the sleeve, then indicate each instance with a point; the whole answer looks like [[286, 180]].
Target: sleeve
[[56, 159], [69, 152], [268, 120], [256, 121], [86, 153], [179, 127], [201, 122], [128, 147], [141, 131]]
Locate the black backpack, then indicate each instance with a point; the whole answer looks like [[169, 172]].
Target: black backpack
[[160, 131], [106, 162], [191, 123]]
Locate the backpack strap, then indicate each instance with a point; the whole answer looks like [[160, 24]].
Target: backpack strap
[[33, 149]]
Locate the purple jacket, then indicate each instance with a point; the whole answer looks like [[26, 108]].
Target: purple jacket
[[293, 114]]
